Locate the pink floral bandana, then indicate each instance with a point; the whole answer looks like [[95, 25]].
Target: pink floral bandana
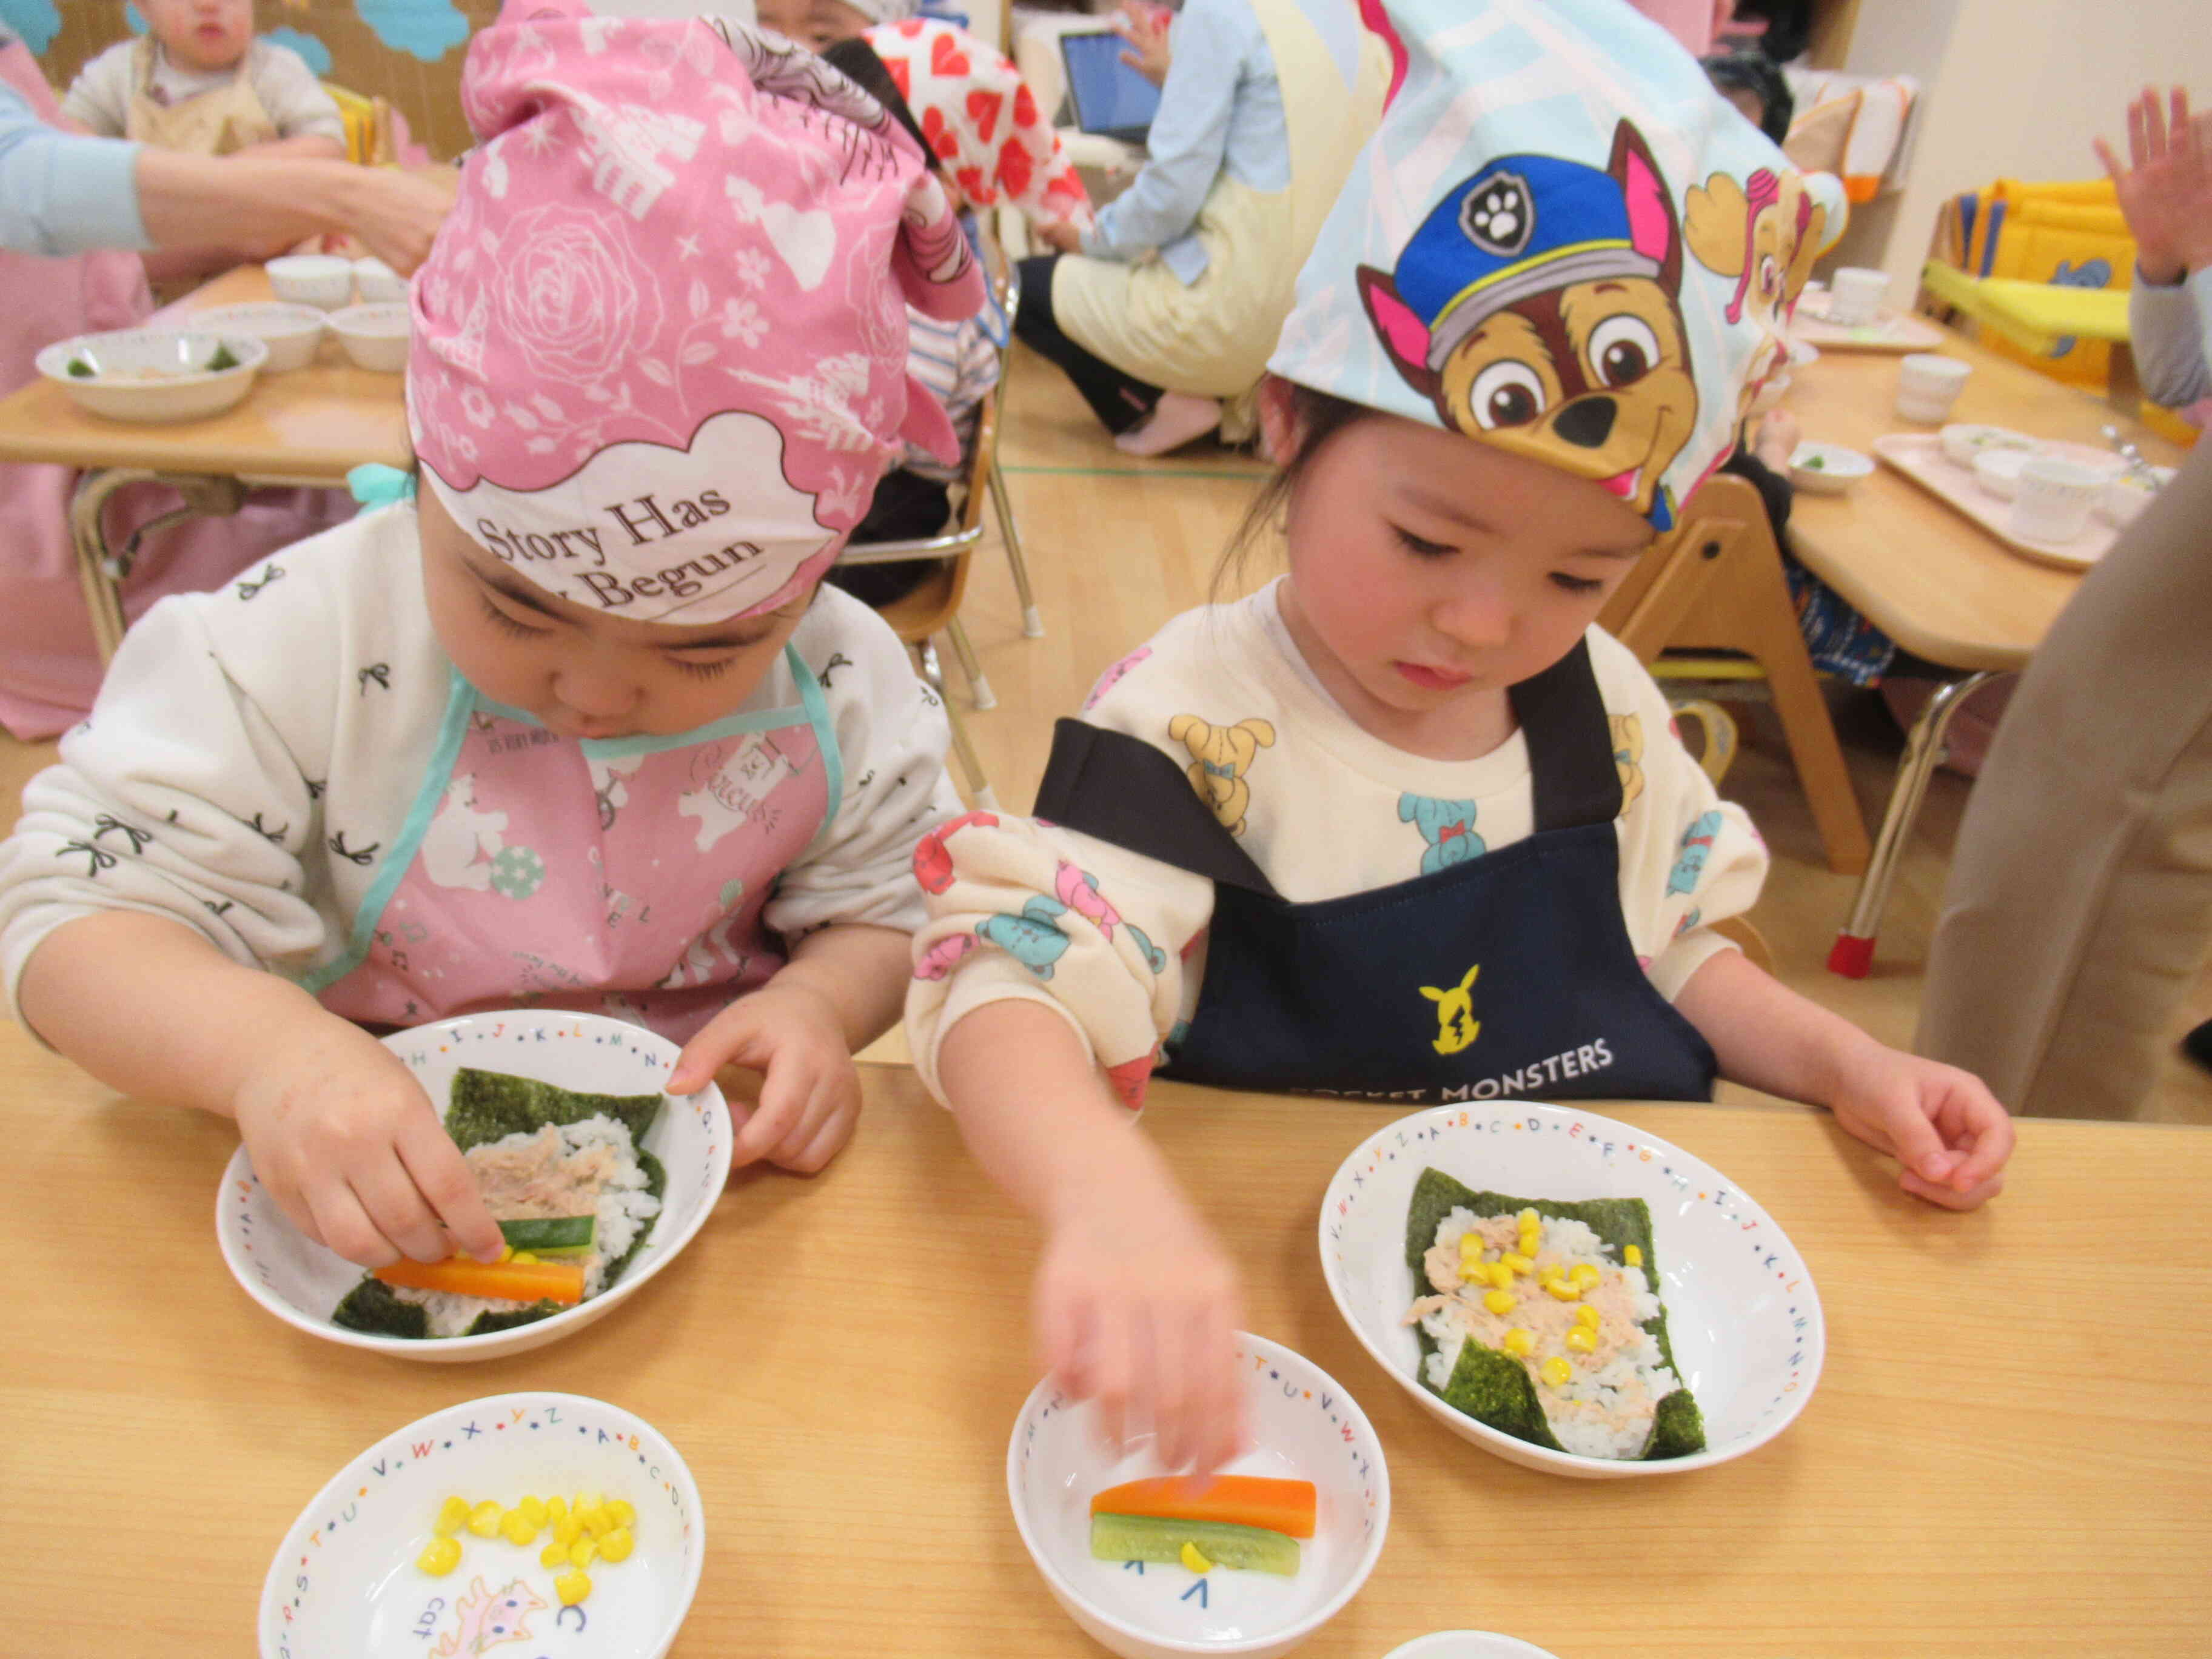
[[659, 346], [982, 120]]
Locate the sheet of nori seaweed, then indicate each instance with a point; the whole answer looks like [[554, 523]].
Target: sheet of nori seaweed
[[487, 1105], [371, 1308], [488, 1321], [1495, 1388]]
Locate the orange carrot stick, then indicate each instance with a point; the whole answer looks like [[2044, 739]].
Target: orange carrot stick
[[1243, 1500], [508, 1281]]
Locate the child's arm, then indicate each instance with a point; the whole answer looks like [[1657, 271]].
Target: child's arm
[[339, 1132], [1135, 1304], [300, 147], [1941, 1123], [842, 990]]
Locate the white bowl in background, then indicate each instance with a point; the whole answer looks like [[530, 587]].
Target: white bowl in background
[[375, 337], [154, 374], [292, 333], [1743, 1316], [1928, 384], [1998, 471], [301, 1282], [378, 283], [321, 280], [344, 1584], [1827, 469], [1467, 1644], [2055, 498], [1963, 441], [1305, 1427], [2126, 496]]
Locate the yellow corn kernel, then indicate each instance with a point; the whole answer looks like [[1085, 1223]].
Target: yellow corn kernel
[[452, 1516], [572, 1587], [1586, 1315], [556, 1508], [1582, 1340], [1471, 1243], [505, 1252], [585, 1500], [1519, 1263], [596, 1522], [583, 1551], [1633, 1255], [532, 1509], [439, 1556], [1520, 1342], [484, 1520], [555, 1554], [618, 1545], [1529, 1221], [622, 1511], [567, 1530], [1500, 1302], [514, 1527], [1550, 1271], [525, 1258], [1562, 1288], [1557, 1372], [1585, 1277], [1194, 1560]]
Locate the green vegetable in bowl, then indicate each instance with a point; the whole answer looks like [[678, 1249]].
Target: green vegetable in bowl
[[222, 358], [81, 370], [1816, 463]]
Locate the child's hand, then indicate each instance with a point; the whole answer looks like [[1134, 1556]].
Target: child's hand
[[809, 1099], [1136, 1308], [1778, 432], [1941, 1123], [354, 1153], [2166, 189]]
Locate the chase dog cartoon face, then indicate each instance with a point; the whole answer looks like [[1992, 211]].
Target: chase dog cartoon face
[[1536, 307]]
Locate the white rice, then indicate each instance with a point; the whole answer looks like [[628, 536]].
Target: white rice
[[1604, 1410], [625, 1208]]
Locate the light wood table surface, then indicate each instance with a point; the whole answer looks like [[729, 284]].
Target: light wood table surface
[[310, 426], [2008, 1452], [1919, 570]]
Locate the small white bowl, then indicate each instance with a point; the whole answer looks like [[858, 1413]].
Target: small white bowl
[[375, 337], [155, 375], [292, 333], [344, 1585], [2127, 496], [1826, 469], [321, 280], [378, 283], [1468, 1644], [1743, 1316], [301, 1282], [1998, 471], [1306, 1428], [1962, 441]]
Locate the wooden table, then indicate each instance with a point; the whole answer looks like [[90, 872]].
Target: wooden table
[[310, 427], [1924, 573], [1997, 1459]]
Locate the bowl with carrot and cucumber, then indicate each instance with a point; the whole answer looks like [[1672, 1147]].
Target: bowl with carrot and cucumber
[[596, 1178]]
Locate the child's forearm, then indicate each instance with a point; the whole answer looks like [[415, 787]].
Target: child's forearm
[[1764, 1035], [1036, 1115], [860, 971], [156, 1012], [300, 147]]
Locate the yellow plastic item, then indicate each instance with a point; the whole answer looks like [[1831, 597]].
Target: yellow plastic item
[[1633, 1255], [555, 1554], [1586, 1315], [452, 1516], [483, 1519], [1582, 1340], [1520, 1342], [439, 1556], [583, 1551], [624, 1513], [618, 1545], [1194, 1560], [1519, 1263], [571, 1586], [1500, 1302], [1557, 1372]]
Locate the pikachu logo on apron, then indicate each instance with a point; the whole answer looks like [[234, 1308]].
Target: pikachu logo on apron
[[1456, 1025]]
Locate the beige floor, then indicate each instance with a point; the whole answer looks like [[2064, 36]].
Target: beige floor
[[1117, 547]]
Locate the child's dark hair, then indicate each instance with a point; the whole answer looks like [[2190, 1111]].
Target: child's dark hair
[[856, 60], [1317, 416], [1756, 73]]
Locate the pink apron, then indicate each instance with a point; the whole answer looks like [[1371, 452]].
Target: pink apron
[[624, 877]]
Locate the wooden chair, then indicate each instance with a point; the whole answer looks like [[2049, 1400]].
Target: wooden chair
[[1715, 583], [933, 608]]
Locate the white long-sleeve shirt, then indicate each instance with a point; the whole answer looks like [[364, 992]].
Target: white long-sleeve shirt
[[1322, 807], [2171, 327], [246, 740]]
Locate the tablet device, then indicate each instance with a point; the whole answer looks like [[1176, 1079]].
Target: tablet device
[[1110, 98]]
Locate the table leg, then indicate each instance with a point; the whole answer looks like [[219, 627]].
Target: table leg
[[100, 569], [1852, 954]]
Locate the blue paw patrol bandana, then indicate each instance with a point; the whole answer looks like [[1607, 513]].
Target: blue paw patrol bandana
[[1563, 241]]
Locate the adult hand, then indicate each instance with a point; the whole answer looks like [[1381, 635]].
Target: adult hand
[[2166, 189], [1065, 239], [396, 215], [1145, 28]]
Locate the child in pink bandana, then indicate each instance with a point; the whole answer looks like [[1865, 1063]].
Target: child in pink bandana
[[580, 727]]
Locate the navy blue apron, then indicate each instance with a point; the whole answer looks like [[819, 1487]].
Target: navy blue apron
[[1509, 974]]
